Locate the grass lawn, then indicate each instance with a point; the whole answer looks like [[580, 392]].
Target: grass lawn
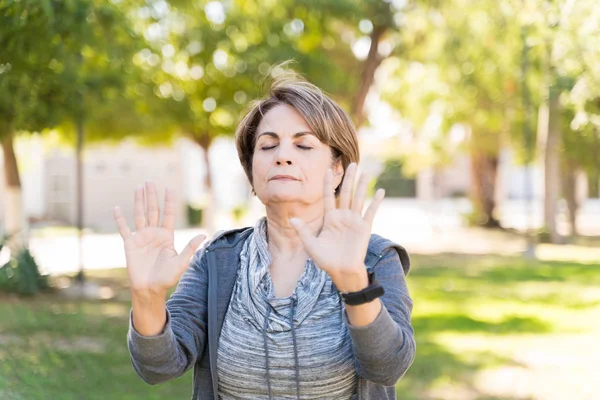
[[486, 328]]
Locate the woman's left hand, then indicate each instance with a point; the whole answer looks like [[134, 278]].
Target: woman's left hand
[[341, 246]]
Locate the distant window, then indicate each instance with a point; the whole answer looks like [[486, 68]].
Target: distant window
[[59, 201], [59, 211], [101, 167], [59, 183], [172, 168]]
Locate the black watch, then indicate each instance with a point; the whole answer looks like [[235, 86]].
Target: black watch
[[368, 294]]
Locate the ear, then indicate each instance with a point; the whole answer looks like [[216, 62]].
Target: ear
[[338, 172]]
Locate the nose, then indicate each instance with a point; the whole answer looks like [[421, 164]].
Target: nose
[[284, 154]]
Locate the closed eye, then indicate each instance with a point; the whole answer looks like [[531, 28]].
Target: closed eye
[[299, 146]]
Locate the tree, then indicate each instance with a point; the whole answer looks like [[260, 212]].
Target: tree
[[460, 62], [581, 103], [73, 78], [561, 32], [28, 88], [209, 59]]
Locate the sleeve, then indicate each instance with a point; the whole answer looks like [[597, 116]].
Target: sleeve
[[175, 350], [385, 349]]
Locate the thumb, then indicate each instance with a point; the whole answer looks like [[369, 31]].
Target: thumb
[[308, 240], [190, 249]]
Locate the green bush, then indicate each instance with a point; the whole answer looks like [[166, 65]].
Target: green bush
[[395, 183], [21, 273], [194, 215], [239, 212]]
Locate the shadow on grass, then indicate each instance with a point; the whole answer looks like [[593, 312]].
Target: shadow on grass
[[72, 350], [434, 363], [454, 279], [464, 323], [502, 270], [451, 294]]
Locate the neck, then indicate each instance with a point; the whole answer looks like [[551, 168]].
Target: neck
[[282, 238]]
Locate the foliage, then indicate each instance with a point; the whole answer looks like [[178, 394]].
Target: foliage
[[209, 59], [75, 71], [394, 180], [194, 215], [239, 212], [21, 273]]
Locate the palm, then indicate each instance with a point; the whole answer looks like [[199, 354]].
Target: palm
[[342, 241], [152, 261], [151, 255], [342, 244]]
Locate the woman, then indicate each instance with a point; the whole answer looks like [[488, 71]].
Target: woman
[[289, 308]]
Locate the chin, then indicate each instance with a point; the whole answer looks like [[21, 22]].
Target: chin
[[278, 196]]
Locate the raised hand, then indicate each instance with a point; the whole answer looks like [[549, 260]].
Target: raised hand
[[341, 246], [153, 265]]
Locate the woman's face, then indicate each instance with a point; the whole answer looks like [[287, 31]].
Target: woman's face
[[285, 145]]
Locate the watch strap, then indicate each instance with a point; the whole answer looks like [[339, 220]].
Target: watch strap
[[366, 295]]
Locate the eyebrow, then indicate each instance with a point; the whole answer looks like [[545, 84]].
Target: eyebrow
[[296, 135]]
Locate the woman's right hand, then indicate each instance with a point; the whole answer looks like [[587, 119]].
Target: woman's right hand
[[153, 265]]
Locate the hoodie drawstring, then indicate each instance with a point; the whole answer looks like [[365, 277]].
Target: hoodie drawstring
[[297, 370], [266, 326], [295, 347]]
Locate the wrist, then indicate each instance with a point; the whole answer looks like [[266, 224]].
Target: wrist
[[147, 296], [366, 295], [149, 314], [148, 305], [354, 282]]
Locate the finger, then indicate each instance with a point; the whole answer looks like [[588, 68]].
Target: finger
[[153, 210], [361, 192], [328, 194], [370, 213], [190, 249], [307, 237], [168, 221], [347, 185], [121, 223], [139, 216]]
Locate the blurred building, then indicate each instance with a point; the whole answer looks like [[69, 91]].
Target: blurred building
[[48, 174], [111, 173]]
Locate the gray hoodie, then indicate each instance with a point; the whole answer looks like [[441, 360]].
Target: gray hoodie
[[383, 350]]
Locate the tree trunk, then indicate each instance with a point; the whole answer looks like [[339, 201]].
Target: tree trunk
[[570, 193], [80, 200], [371, 64], [552, 176], [204, 140], [14, 217], [484, 171]]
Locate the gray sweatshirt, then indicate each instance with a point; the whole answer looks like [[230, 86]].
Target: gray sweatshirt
[[383, 350]]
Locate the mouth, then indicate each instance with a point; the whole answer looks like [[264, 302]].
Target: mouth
[[283, 178]]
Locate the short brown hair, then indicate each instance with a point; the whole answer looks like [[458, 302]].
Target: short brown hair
[[327, 120]]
